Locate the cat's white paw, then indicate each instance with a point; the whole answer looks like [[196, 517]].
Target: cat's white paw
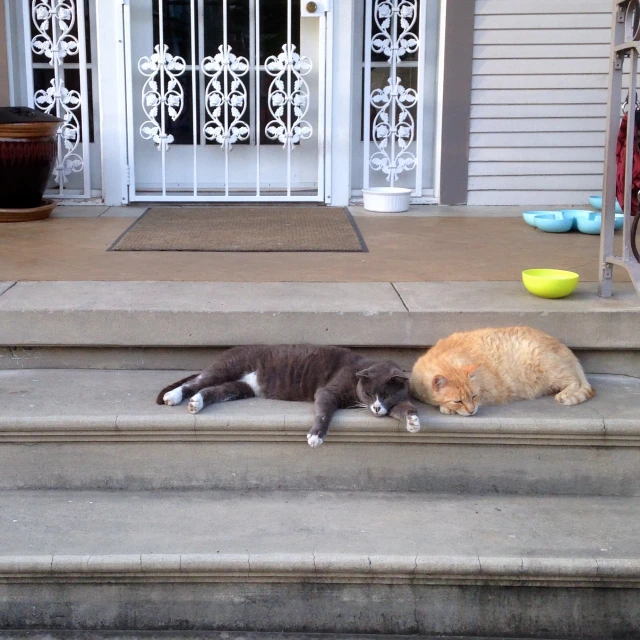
[[196, 403], [413, 423], [314, 441], [173, 397], [447, 412]]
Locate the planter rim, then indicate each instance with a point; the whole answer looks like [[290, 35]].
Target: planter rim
[[24, 122], [20, 115]]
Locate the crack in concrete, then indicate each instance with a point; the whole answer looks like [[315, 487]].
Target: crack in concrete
[[399, 296], [13, 284], [313, 555]]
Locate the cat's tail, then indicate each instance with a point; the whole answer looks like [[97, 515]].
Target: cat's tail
[[171, 387], [577, 391]]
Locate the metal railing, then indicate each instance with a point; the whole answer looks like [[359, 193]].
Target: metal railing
[[625, 45]]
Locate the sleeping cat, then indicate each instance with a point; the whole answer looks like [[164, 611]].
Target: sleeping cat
[[331, 377], [492, 366]]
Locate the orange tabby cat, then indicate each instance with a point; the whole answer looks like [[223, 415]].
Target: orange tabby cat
[[492, 366]]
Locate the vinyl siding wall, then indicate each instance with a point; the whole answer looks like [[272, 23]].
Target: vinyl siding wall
[[4, 67], [538, 101]]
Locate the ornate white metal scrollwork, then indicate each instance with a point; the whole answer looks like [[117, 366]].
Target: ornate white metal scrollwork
[[62, 43], [394, 126], [226, 98], [384, 42], [162, 94], [57, 95], [54, 21], [393, 122], [285, 95]]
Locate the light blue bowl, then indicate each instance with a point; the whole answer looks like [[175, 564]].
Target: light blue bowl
[[619, 221], [590, 224], [596, 203], [554, 222], [530, 215], [574, 214]]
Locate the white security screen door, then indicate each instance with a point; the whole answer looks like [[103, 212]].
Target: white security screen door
[[226, 99]]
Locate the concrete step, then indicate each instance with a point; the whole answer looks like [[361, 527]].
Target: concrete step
[[595, 361], [169, 314], [320, 561], [220, 635], [77, 429]]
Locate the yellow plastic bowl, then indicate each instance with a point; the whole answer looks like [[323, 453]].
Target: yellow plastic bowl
[[550, 283]]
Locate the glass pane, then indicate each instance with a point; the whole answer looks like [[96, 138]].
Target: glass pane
[[273, 26], [72, 82], [182, 128], [238, 27], [177, 26]]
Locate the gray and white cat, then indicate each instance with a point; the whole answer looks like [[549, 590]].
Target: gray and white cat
[[331, 377]]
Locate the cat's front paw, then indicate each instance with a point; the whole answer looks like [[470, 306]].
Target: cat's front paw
[[447, 412], [314, 439], [196, 403], [413, 423], [173, 397]]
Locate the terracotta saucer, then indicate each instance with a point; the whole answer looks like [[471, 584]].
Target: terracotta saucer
[[28, 215]]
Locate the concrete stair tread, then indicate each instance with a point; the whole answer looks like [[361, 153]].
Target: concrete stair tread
[[551, 537], [222, 635], [164, 314], [117, 404]]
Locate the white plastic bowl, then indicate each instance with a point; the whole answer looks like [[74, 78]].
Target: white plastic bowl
[[386, 199]]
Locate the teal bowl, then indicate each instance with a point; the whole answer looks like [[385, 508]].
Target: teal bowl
[[529, 216], [554, 222], [596, 203]]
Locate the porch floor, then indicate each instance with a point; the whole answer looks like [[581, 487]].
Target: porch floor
[[429, 244]]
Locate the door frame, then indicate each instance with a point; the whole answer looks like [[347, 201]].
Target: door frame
[[111, 39]]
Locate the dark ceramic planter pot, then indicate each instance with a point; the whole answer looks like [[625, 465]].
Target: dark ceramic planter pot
[[28, 150]]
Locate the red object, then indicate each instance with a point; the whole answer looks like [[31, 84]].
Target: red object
[[620, 162]]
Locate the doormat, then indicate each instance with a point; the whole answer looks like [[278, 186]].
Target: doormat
[[239, 228]]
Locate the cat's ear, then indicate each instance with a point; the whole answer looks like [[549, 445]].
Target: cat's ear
[[364, 374], [398, 374], [439, 382], [471, 370]]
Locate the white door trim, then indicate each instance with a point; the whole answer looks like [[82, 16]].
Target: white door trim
[[113, 103], [340, 123]]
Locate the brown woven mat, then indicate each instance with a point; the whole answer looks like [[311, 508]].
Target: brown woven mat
[[240, 228]]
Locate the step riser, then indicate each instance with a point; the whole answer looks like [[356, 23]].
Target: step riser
[[446, 468], [609, 361], [343, 608]]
